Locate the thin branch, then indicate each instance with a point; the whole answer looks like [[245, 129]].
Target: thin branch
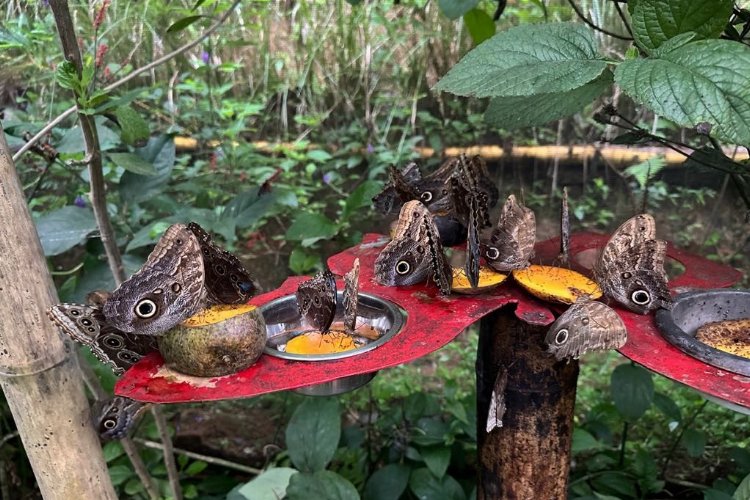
[[624, 20], [140, 468], [129, 77], [594, 26], [163, 428], [197, 456]]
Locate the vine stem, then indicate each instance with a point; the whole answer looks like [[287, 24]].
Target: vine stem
[[594, 26], [623, 442], [205, 458], [148, 67]]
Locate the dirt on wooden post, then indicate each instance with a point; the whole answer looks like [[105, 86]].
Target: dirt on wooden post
[[38, 371], [529, 456]]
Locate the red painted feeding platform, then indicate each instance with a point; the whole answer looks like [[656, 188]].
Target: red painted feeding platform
[[433, 321]]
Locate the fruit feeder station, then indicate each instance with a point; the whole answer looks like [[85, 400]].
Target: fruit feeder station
[[524, 452]]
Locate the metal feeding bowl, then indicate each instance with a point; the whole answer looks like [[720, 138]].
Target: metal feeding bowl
[[692, 310], [283, 323]]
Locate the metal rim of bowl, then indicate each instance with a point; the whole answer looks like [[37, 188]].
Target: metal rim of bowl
[[397, 314], [690, 345], [337, 386]]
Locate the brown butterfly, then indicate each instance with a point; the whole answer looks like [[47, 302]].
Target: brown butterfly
[[630, 269], [415, 253], [87, 325], [226, 279], [497, 401], [350, 298], [116, 417], [316, 299], [586, 325], [511, 244]]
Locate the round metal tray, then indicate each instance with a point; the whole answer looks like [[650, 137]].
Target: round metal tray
[[694, 309]]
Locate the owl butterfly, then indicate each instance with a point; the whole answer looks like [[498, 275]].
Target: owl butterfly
[[408, 184], [115, 418], [316, 299], [587, 325], [226, 279], [88, 326], [351, 291], [511, 244], [564, 228], [415, 253], [497, 401], [630, 269], [165, 291]]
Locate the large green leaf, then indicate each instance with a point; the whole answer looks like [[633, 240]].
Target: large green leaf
[[694, 442], [321, 485], [313, 434], [656, 21], [132, 163], [527, 60], [160, 152], [270, 485], [480, 25], [72, 140], [437, 459], [703, 81], [743, 490], [248, 207], [62, 229], [133, 128], [526, 111], [632, 390], [388, 482], [311, 227], [427, 487], [456, 8]]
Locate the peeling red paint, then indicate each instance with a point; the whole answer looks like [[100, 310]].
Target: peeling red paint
[[433, 321]]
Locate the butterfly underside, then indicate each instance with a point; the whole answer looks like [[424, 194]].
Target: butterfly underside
[[415, 253], [511, 244], [226, 279], [564, 229], [316, 300], [585, 326], [88, 326], [116, 418], [167, 290], [351, 291], [497, 401], [630, 269]]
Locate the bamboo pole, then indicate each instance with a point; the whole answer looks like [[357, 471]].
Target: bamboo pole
[[38, 374]]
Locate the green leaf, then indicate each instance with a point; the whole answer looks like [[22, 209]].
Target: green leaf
[[196, 468], [527, 60], [480, 25], [301, 261], [160, 152], [704, 81], [183, 23], [708, 157], [694, 442], [269, 485], [430, 431], [668, 407], [323, 485], [313, 433], [389, 482], [584, 441], [67, 76], [437, 459], [133, 128], [119, 474], [311, 227], [318, 155], [426, 487], [743, 490], [526, 111], [656, 21], [454, 9], [646, 170], [632, 390], [112, 450], [62, 229], [132, 163], [72, 140], [247, 208], [361, 197], [615, 483]]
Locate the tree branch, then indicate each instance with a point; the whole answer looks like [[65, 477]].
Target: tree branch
[[161, 426]]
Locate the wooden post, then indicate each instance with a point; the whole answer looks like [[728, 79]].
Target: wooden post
[[529, 456], [38, 373]]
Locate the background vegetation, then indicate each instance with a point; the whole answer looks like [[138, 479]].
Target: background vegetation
[[338, 92]]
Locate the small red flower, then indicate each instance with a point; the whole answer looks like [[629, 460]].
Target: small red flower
[[101, 51], [99, 16]]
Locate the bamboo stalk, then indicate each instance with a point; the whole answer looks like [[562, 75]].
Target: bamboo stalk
[[40, 378]]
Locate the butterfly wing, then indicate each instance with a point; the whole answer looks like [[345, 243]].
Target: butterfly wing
[[630, 268], [351, 291], [88, 326], [390, 199], [227, 281], [585, 326], [511, 244], [316, 300], [497, 401], [115, 418], [167, 290]]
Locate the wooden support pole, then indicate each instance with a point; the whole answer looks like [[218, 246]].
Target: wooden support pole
[[38, 373], [529, 456]]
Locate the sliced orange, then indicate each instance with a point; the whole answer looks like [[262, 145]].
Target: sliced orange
[[488, 280], [556, 284], [314, 342]]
